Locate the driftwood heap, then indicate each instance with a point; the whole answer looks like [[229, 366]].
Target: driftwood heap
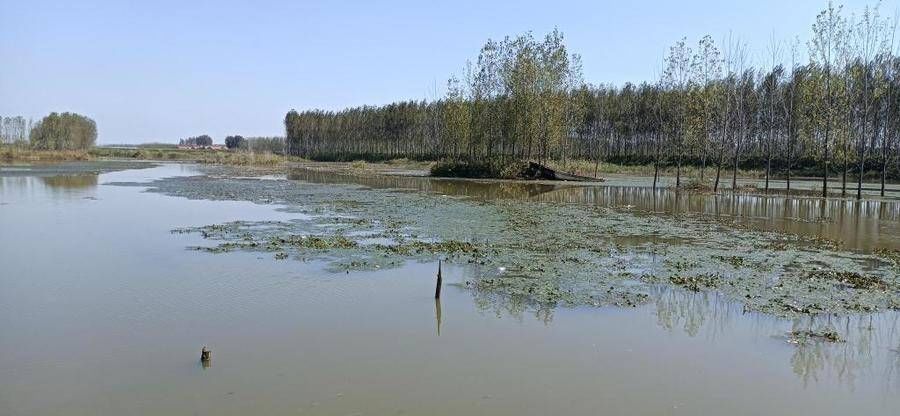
[[539, 171]]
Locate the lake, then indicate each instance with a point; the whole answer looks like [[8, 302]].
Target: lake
[[104, 310]]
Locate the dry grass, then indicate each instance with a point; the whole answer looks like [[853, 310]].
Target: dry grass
[[12, 154], [21, 154], [225, 157], [243, 158]]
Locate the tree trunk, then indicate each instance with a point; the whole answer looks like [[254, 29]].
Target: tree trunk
[[862, 155], [734, 171], [678, 171], [827, 132], [789, 164], [844, 177], [656, 163], [883, 168], [718, 171], [825, 165]]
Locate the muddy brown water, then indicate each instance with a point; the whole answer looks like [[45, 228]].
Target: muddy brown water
[[104, 312]]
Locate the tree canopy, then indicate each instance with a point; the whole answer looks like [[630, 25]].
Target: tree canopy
[[66, 131], [235, 142]]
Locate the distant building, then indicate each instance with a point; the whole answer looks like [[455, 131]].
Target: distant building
[[196, 147]]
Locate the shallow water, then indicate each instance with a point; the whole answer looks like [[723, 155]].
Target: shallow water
[[863, 225], [103, 311]]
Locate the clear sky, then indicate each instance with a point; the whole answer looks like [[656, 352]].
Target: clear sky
[[162, 70]]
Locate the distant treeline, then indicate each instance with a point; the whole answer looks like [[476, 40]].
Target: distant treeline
[[265, 145], [202, 140], [837, 111], [15, 130]]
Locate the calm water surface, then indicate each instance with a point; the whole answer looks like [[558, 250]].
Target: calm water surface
[[103, 312]]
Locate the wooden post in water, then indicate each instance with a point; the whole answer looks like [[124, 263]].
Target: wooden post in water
[[204, 354], [437, 289]]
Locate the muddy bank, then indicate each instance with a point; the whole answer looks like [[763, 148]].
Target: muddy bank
[[70, 168], [533, 252]]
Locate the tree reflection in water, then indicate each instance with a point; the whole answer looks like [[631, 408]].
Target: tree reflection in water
[[870, 343], [861, 225], [692, 310], [70, 181]]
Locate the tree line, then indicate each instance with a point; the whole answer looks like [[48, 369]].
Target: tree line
[[826, 108], [512, 103], [237, 142], [57, 131]]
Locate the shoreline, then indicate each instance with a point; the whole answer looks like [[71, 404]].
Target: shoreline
[[749, 182]]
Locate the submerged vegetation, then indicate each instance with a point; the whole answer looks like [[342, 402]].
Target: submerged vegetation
[[524, 99], [545, 253]]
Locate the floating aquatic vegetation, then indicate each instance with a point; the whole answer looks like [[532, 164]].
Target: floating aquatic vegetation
[[549, 253], [802, 337], [420, 247], [696, 283], [853, 280], [734, 261], [892, 256]]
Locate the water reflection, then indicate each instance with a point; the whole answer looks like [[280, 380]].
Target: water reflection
[[479, 189], [859, 225], [691, 311], [512, 306], [70, 181], [61, 186], [870, 345], [437, 314], [867, 339]]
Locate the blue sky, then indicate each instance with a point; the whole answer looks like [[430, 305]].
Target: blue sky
[[162, 70]]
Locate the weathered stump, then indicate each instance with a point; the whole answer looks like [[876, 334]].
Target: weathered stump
[[204, 354]]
